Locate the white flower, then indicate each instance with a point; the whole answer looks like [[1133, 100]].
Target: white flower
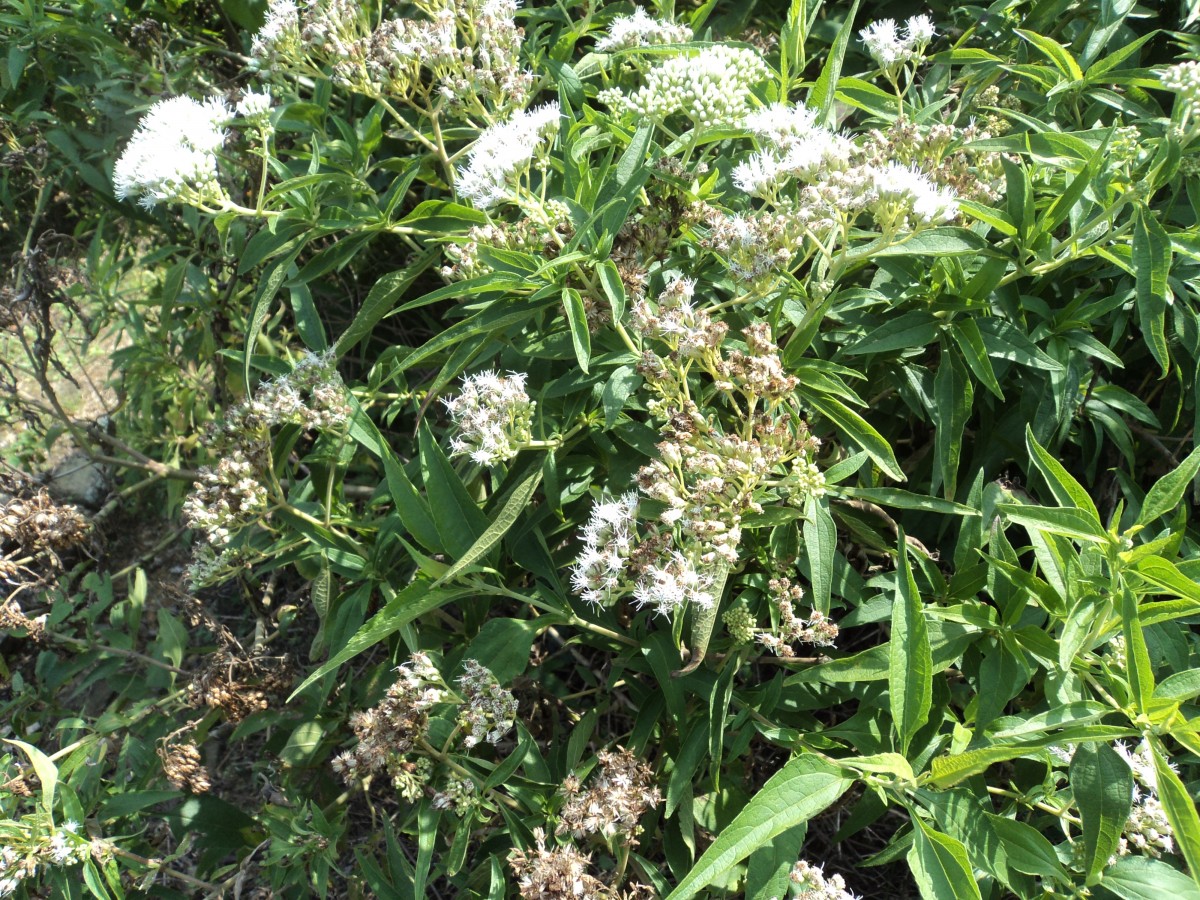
[[890, 47], [912, 193], [608, 538], [501, 151], [254, 105], [673, 585], [172, 155], [279, 32], [640, 30], [493, 414], [711, 87], [919, 30]]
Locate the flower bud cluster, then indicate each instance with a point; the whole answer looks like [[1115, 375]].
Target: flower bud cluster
[[893, 47], [753, 245], [711, 88], [690, 333], [617, 798], [231, 495], [493, 415], [1184, 79], [1147, 829], [173, 154], [468, 52], [30, 847], [792, 629], [488, 711], [808, 882], [458, 795], [394, 727], [503, 152], [942, 152], [641, 30], [554, 873], [609, 538]]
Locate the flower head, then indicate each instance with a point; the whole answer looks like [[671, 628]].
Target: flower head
[[493, 414], [502, 151], [640, 30], [173, 153]]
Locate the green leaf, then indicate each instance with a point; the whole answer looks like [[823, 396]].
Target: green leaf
[[260, 307], [1056, 53], [857, 429], [910, 660], [1071, 523], [382, 297], [909, 331], [516, 503], [1151, 265], [44, 768], [953, 393], [1103, 787], [581, 338], [945, 241], [940, 865], [410, 505], [704, 619], [1180, 809], [769, 866], [898, 498], [800, 790], [966, 334], [411, 603], [614, 288], [820, 546], [820, 98], [1167, 493], [502, 646], [1067, 491], [1143, 878], [1028, 850], [458, 519]]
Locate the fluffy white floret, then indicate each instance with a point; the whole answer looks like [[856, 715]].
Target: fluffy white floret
[[640, 30], [173, 150], [501, 151]]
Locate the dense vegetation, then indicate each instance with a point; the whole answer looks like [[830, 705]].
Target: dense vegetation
[[578, 450]]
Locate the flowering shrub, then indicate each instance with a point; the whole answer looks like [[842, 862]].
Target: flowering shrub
[[624, 453]]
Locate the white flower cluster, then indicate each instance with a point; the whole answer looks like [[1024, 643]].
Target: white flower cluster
[[796, 147], [255, 107], [1184, 78], [488, 711], [608, 539], [173, 154], [839, 181], [226, 498], [493, 415], [469, 49], [502, 152], [232, 495], [686, 330], [892, 46], [280, 33], [674, 583], [61, 847], [711, 87], [641, 30], [904, 197], [312, 395], [394, 727], [808, 882], [1147, 828]]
